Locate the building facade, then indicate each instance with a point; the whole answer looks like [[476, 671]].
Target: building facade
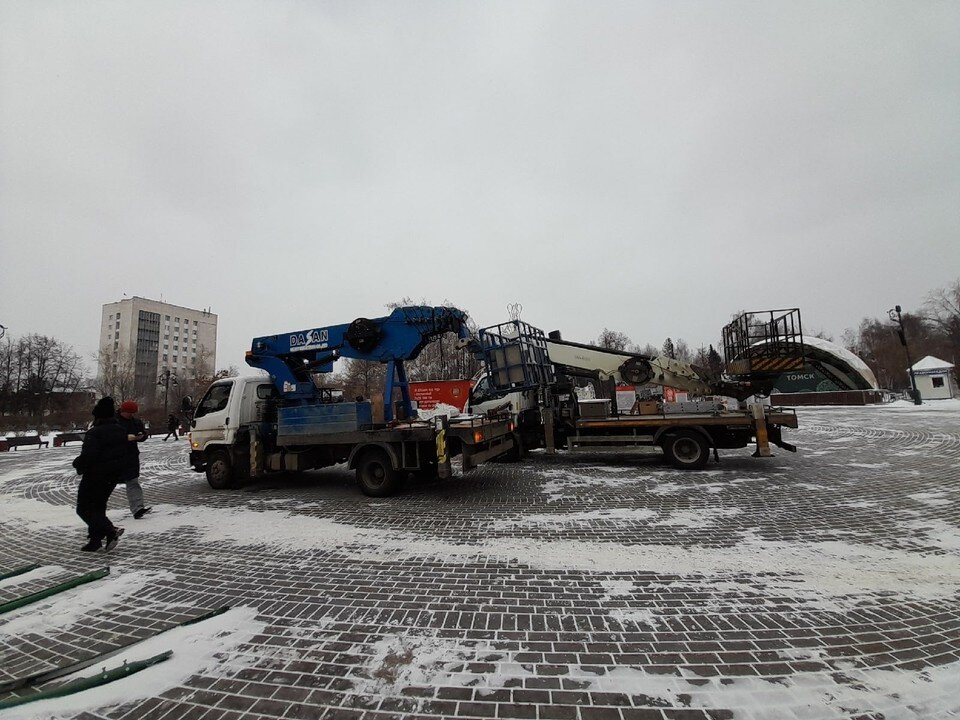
[[161, 341]]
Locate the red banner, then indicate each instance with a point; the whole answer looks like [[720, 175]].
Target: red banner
[[429, 394]]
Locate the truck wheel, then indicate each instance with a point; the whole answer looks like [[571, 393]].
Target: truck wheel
[[375, 473], [687, 450], [220, 470]]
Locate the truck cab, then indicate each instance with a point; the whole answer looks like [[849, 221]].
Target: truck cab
[[522, 406], [221, 422]]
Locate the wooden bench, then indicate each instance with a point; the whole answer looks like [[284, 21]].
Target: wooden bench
[[12, 443], [61, 439]]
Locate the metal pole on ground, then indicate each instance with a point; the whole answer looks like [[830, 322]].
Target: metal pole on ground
[[898, 318]]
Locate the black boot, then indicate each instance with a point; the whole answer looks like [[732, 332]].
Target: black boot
[[113, 537]]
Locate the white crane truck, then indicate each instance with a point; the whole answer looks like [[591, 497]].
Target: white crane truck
[[529, 375]]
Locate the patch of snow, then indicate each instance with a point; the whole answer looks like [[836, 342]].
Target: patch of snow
[[638, 616], [616, 588], [575, 518], [559, 483], [48, 617], [701, 517], [438, 410], [398, 662], [667, 488], [902, 694], [933, 498], [938, 532], [38, 574], [207, 647], [805, 570]]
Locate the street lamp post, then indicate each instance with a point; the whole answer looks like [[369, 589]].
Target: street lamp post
[[897, 318], [166, 377]]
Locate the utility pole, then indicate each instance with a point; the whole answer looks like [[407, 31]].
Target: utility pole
[[898, 318], [167, 377]]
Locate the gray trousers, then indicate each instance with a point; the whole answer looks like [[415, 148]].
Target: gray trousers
[[134, 494]]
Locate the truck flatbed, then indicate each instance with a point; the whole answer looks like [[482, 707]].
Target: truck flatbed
[[786, 418], [464, 429], [686, 437]]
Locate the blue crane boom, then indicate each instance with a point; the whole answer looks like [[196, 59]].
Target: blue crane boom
[[291, 358]]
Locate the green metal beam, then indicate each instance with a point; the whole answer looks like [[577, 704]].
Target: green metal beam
[[48, 675], [81, 684], [18, 571], [41, 594]]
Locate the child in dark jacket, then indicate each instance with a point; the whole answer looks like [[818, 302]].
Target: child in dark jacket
[[100, 463]]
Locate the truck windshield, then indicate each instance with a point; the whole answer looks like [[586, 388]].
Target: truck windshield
[[215, 400], [481, 391]]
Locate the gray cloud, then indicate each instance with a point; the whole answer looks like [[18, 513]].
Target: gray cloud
[[648, 167]]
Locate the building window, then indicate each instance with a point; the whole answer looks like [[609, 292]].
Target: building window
[[176, 319], [167, 318], [937, 382], [164, 357], [118, 316], [116, 345]]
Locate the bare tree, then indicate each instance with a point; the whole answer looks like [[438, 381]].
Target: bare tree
[[942, 311], [613, 340], [199, 377], [441, 359], [38, 374], [668, 349], [116, 374], [231, 371], [363, 377]]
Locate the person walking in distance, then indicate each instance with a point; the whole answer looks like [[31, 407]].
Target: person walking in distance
[[131, 469], [100, 464], [172, 425]]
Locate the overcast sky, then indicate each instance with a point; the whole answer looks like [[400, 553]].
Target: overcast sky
[[650, 167]]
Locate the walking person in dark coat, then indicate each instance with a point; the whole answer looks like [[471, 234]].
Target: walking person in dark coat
[[131, 469], [100, 462], [172, 425]]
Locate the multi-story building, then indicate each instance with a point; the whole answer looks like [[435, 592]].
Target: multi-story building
[[160, 340]]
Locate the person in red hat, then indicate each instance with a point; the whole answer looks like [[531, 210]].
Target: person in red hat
[[130, 474]]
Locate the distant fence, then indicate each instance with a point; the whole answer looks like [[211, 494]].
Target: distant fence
[[842, 397]]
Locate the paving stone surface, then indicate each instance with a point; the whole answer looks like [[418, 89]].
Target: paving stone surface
[[590, 586]]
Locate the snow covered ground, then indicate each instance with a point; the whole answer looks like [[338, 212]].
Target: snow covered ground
[[818, 585]]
